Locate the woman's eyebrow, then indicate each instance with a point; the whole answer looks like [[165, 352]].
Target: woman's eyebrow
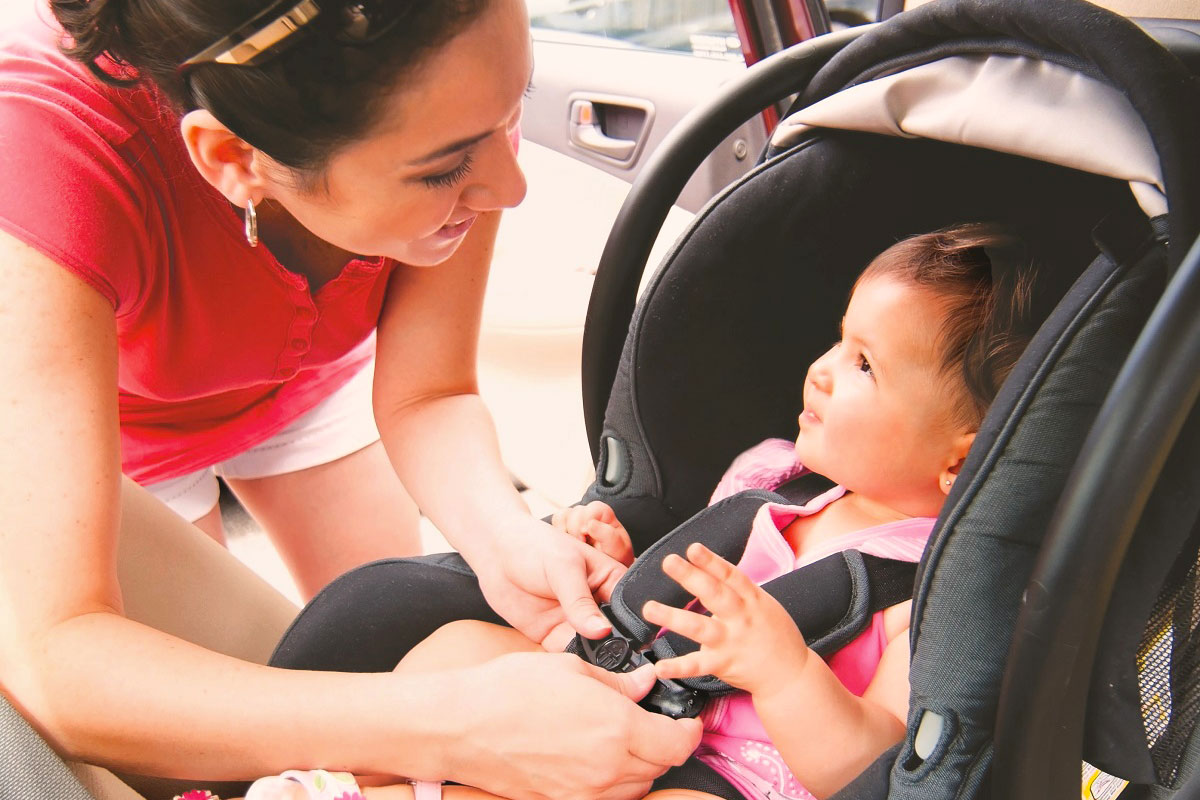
[[461, 144], [442, 152]]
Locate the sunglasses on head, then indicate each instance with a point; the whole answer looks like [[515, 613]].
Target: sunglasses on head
[[276, 26]]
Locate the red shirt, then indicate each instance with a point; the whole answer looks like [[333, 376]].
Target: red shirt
[[220, 346]]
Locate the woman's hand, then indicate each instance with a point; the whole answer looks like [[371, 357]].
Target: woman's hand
[[546, 584], [553, 726], [746, 625], [596, 524]]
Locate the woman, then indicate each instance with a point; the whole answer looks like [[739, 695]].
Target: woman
[[369, 147]]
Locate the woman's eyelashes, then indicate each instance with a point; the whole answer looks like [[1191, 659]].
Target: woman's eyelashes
[[450, 177]]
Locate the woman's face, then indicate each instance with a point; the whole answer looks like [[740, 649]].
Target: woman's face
[[443, 151]]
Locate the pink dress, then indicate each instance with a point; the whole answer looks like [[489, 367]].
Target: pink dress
[[735, 744]]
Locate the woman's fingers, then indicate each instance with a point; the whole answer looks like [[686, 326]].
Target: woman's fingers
[[655, 739], [664, 742]]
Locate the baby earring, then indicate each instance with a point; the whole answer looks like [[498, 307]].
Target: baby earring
[[251, 224], [948, 481]]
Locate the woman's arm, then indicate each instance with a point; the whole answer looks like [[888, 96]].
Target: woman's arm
[[99, 686], [443, 444], [108, 690]]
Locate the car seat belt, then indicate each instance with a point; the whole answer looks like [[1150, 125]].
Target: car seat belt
[[831, 600]]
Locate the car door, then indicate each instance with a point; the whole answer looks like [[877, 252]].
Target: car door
[[612, 77]]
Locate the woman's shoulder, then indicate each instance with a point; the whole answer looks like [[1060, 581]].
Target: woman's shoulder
[[76, 149], [42, 87]]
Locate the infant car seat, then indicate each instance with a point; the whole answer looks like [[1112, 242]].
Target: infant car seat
[[902, 131], [1054, 611]]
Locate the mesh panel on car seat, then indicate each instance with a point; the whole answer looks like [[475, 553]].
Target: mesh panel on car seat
[[1168, 665]]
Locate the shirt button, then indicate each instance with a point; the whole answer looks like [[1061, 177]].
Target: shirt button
[[299, 344], [305, 313], [287, 372]]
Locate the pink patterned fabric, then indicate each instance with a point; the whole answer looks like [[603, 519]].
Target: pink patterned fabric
[[735, 744]]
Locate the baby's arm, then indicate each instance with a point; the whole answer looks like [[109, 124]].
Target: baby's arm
[[596, 524], [825, 734]]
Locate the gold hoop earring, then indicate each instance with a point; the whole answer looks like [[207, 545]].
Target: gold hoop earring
[[251, 224]]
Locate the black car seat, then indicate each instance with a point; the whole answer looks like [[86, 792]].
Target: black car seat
[[980, 720]]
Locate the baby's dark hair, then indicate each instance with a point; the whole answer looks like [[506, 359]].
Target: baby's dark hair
[[299, 106], [984, 276]]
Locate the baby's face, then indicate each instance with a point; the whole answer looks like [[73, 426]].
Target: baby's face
[[877, 410]]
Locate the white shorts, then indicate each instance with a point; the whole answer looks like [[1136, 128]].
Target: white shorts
[[339, 425]]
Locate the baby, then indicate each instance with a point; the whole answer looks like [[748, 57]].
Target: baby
[[890, 411]]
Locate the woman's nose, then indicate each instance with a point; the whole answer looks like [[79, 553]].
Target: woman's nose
[[502, 184]]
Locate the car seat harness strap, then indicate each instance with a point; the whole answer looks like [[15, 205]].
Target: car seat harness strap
[[831, 600]]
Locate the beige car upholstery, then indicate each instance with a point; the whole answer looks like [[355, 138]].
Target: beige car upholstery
[[176, 579]]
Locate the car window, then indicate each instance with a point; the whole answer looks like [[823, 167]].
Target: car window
[[699, 27], [851, 13]]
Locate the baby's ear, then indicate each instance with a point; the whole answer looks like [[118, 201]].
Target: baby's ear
[[958, 454]]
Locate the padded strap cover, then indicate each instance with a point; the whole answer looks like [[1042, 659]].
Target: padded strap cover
[[831, 600]]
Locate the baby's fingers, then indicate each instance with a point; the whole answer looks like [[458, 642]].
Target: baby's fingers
[[700, 629], [691, 665], [612, 540], [571, 520], [598, 509]]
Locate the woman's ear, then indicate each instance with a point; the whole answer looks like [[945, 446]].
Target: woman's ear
[[958, 454], [224, 159]]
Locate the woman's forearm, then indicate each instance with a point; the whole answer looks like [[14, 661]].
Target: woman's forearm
[[446, 453], [437, 432], [108, 690]]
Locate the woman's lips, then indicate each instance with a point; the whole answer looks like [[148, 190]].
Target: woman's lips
[[455, 229]]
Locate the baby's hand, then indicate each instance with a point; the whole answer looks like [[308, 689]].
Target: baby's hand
[[749, 642], [596, 524]]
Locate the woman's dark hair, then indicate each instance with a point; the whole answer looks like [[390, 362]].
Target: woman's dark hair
[[301, 105], [984, 277]]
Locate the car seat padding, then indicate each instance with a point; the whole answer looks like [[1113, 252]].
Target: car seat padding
[[369, 618], [831, 600], [754, 292]]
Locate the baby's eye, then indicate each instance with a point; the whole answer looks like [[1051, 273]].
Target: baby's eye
[[865, 366]]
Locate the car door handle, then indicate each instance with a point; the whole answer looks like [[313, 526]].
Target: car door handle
[[587, 127]]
